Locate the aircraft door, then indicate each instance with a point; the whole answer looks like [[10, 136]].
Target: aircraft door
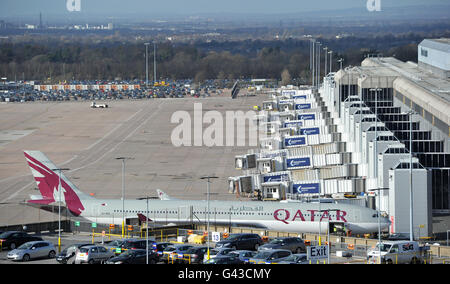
[[183, 213]]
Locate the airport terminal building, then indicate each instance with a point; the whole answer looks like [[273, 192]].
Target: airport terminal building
[[375, 132]]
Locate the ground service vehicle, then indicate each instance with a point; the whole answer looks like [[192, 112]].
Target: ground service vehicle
[[13, 239], [30, 250], [95, 105], [241, 242], [295, 245], [93, 254], [397, 252]]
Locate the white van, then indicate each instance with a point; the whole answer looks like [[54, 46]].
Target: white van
[[396, 252]]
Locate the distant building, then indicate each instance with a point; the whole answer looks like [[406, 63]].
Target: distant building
[[434, 55]]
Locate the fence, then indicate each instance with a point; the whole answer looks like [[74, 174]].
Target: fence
[[357, 246]]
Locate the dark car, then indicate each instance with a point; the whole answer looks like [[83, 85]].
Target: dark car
[[120, 246], [295, 245], [243, 255], [136, 256], [175, 253], [224, 259], [158, 248], [68, 254], [398, 237], [196, 254], [241, 242], [300, 258], [13, 239]]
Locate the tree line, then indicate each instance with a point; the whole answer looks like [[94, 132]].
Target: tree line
[[58, 61]]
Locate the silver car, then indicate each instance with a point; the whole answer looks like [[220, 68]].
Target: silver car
[[30, 250], [93, 254]]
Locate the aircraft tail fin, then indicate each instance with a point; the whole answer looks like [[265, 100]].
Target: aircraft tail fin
[[46, 176], [164, 196], [143, 218]]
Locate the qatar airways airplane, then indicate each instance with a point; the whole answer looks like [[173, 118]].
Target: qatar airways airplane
[[278, 216]]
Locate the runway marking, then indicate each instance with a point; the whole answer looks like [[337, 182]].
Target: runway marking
[[123, 140], [114, 129]]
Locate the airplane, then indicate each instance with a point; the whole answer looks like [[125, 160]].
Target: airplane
[[270, 215]]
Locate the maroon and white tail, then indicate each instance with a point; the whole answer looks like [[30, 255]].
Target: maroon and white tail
[[47, 178]]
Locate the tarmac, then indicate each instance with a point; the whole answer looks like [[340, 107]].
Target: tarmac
[[88, 140]]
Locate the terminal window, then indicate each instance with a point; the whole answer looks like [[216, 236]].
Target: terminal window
[[424, 52]]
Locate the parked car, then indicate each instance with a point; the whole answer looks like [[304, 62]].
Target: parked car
[[216, 252], [295, 245], [136, 256], [398, 237], [93, 254], [158, 248], [270, 256], [243, 255], [122, 245], [31, 250], [224, 259], [298, 258], [13, 239], [196, 254], [241, 242], [174, 252], [68, 254]]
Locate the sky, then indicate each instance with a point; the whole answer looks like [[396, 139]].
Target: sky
[[11, 8]]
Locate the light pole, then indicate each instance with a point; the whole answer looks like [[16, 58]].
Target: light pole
[[313, 66], [340, 84], [207, 193], [331, 60], [59, 205], [123, 192], [411, 230], [146, 222], [146, 63], [318, 65], [328, 238], [379, 220], [376, 90], [154, 61]]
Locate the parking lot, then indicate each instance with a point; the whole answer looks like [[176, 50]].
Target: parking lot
[[68, 239]]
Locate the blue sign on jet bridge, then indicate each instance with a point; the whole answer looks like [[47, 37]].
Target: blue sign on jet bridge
[[306, 188], [299, 97], [310, 131], [298, 162], [306, 116], [302, 106], [273, 178], [293, 123], [294, 141]]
